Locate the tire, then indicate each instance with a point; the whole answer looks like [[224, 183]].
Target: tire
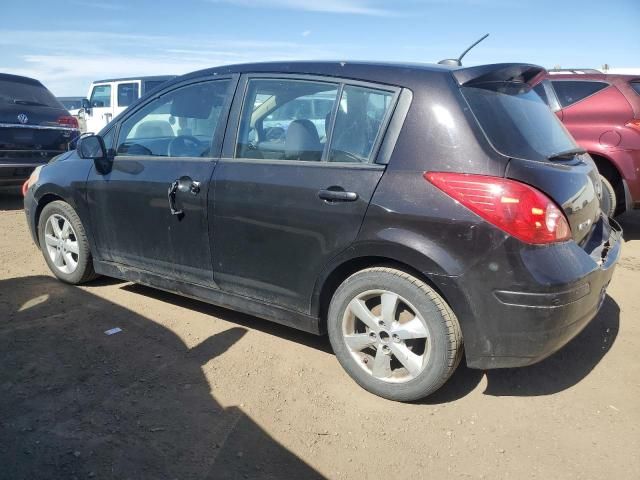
[[73, 262], [609, 200], [371, 354]]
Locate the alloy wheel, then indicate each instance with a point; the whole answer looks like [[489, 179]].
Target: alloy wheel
[[62, 243]]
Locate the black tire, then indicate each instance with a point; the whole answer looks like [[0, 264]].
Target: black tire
[[442, 325], [609, 200], [84, 271]]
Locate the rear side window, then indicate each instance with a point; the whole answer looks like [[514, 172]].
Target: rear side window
[[180, 123], [285, 119], [101, 96], [359, 118], [150, 85], [127, 94], [517, 122], [26, 93], [570, 92]]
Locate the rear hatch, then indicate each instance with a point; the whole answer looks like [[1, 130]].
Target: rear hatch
[[542, 153], [31, 120]]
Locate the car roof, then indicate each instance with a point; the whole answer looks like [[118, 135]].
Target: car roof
[[605, 77], [19, 79], [383, 72], [153, 77]]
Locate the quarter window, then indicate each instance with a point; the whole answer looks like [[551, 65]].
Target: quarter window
[[285, 119], [570, 92], [101, 96], [127, 94], [359, 119], [180, 123]]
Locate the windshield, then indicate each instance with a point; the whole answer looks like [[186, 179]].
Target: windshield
[[26, 94], [517, 122]]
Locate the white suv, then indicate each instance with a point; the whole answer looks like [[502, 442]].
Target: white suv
[[108, 98]]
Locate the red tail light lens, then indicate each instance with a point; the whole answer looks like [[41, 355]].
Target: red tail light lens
[[518, 209], [68, 121]]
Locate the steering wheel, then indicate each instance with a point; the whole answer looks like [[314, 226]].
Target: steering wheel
[[185, 146]]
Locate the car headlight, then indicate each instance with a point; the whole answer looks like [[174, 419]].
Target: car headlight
[[32, 180]]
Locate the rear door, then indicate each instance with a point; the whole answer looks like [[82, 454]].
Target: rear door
[[291, 192], [149, 210]]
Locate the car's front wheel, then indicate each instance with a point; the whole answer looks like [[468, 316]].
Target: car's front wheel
[[393, 334], [64, 243]]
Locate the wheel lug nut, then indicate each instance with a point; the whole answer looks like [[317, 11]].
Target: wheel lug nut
[[395, 337], [372, 334], [381, 323]]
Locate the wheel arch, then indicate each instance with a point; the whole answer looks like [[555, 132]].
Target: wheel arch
[[346, 266], [608, 169]]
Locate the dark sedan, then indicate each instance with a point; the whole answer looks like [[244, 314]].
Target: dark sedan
[[34, 127]]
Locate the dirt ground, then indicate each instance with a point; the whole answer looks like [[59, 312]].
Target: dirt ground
[[192, 391]]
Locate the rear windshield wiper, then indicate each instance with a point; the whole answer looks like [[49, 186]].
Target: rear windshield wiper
[[18, 101], [564, 154]]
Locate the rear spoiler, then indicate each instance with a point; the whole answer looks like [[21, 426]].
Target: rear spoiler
[[500, 72]]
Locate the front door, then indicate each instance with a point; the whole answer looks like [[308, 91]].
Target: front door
[[293, 191], [100, 112], [149, 210]]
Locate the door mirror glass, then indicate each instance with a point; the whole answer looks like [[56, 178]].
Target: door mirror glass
[[92, 147], [85, 104]]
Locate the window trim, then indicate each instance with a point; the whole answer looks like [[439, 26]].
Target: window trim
[[217, 136], [235, 115], [586, 80]]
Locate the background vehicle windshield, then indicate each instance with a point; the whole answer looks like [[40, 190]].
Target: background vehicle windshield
[[517, 122], [20, 93]]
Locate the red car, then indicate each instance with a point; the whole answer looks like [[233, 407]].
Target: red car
[[602, 112]]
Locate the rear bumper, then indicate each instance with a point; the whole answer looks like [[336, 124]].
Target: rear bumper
[[519, 309]]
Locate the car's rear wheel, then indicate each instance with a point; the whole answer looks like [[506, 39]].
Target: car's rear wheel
[[393, 334], [64, 243], [609, 200]]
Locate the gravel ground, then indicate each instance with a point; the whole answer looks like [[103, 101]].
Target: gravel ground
[[188, 390]]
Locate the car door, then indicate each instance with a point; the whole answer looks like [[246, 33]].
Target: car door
[[290, 195], [126, 93], [149, 210], [100, 111]]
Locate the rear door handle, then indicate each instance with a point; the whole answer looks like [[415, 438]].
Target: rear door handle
[[337, 196]]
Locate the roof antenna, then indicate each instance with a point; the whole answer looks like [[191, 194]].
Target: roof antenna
[[457, 62]]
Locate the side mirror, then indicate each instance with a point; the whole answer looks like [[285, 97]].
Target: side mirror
[[85, 104], [92, 147]]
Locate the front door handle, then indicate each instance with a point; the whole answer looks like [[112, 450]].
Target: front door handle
[[331, 195], [185, 185], [171, 194]]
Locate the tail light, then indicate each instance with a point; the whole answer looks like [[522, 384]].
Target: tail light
[[635, 124], [514, 207], [68, 121]]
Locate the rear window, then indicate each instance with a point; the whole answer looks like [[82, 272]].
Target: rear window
[[20, 93], [570, 92], [517, 122]]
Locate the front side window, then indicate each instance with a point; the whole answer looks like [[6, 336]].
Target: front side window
[[636, 87], [127, 94], [280, 120], [101, 96], [180, 123], [359, 119], [570, 92]]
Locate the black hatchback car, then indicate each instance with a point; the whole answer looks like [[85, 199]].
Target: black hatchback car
[[403, 209], [34, 127]]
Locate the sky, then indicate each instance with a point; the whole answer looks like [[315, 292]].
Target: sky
[[68, 43]]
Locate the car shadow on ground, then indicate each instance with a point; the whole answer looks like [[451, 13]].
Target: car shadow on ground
[[630, 223], [308, 339], [558, 372], [554, 374], [10, 199], [76, 403]]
